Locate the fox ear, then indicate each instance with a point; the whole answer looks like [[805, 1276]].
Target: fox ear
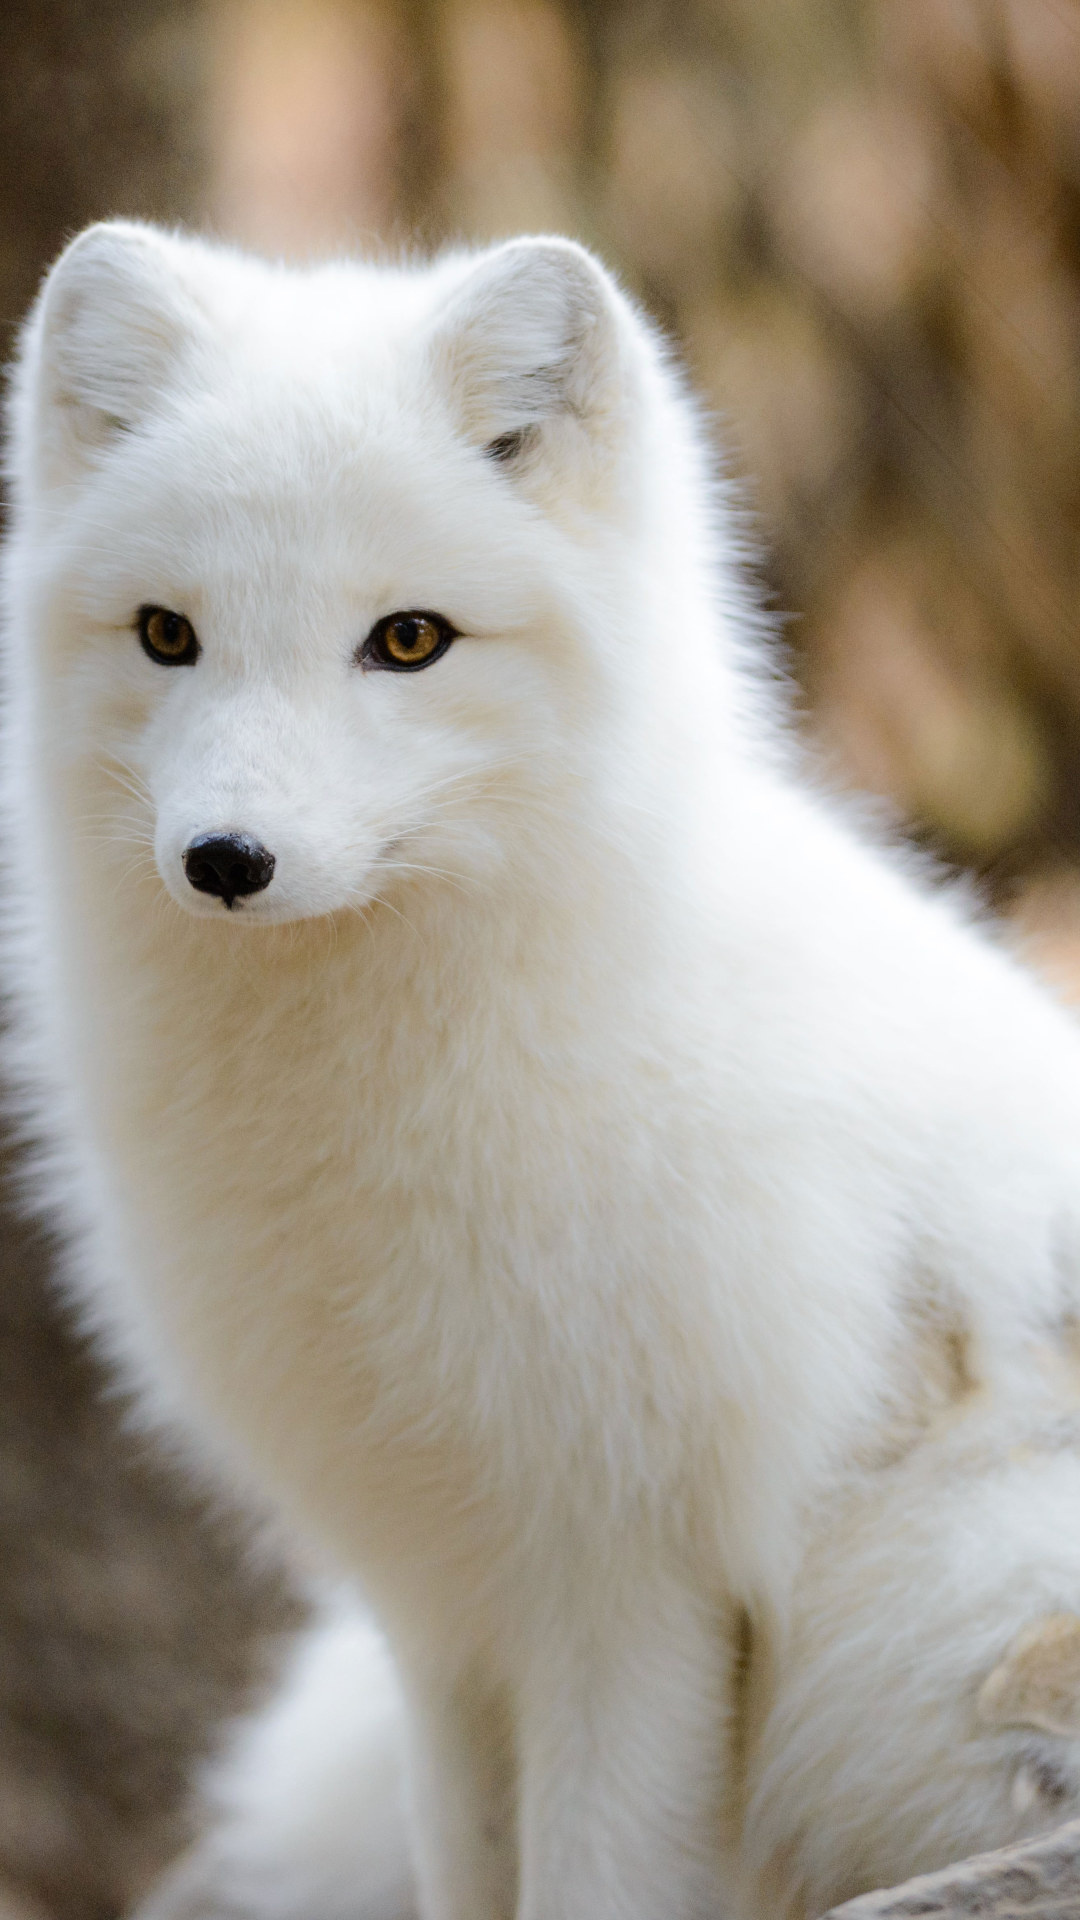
[[533, 338], [110, 326], [1038, 1682]]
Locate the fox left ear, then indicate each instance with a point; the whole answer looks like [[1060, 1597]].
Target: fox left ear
[[1038, 1682], [103, 343], [535, 338]]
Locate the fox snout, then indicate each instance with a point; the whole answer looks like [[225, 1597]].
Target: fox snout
[[229, 865]]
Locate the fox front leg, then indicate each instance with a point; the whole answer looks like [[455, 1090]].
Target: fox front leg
[[624, 1769], [461, 1791]]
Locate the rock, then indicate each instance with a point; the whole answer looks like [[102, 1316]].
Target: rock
[[1038, 1880]]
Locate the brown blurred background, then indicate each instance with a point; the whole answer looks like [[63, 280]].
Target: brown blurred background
[[860, 219]]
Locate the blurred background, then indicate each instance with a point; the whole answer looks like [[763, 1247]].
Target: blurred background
[[860, 221]]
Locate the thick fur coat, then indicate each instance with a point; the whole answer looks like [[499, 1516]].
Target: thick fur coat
[[626, 1225]]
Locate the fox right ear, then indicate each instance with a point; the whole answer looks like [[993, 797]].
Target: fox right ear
[[533, 343], [109, 327]]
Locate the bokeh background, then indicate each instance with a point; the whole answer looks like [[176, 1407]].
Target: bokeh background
[[860, 221]]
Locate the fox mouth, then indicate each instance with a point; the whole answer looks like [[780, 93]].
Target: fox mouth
[[234, 878], [230, 874]]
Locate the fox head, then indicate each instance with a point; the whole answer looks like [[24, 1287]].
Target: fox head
[[332, 571]]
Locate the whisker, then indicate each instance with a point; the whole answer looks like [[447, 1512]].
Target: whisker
[[394, 867]]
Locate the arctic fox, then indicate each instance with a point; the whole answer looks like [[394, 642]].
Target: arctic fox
[[626, 1225]]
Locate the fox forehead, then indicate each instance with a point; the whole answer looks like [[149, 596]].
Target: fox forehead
[[233, 503], [289, 447]]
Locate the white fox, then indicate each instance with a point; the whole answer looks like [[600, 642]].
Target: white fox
[[626, 1225]]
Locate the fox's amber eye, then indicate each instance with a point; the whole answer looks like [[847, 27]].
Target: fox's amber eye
[[169, 638], [405, 641]]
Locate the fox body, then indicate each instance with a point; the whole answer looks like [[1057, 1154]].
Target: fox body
[[620, 1219]]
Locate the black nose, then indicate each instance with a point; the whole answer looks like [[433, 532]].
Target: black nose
[[228, 864]]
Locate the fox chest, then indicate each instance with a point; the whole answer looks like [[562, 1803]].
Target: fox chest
[[378, 1355]]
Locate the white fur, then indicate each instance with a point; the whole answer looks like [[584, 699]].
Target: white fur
[[309, 1800], [618, 1217]]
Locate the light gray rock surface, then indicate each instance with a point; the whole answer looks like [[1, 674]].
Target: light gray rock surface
[[1036, 1880]]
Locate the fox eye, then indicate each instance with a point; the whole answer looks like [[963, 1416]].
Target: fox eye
[[168, 638], [404, 642]]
